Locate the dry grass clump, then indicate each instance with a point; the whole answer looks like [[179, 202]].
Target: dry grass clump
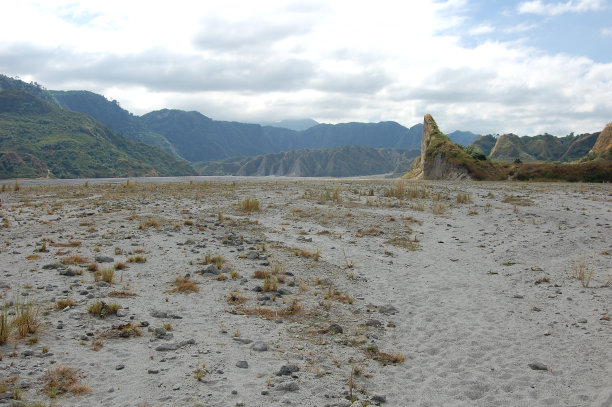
[[137, 259], [291, 310], [148, 223], [261, 274], [73, 243], [123, 331], [102, 309], [217, 260], [122, 294], [582, 272], [404, 243], [26, 318], [518, 200], [249, 205], [76, 260], [316, 255], [236, 298], [464, 197], [383, 357], [373, 231], [270, 284], [120, 265], [63, 380], [62, 304], [6, 326], [107, 275], [438, 208], [337, 295], [184, 285]]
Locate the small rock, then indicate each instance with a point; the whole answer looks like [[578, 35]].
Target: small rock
[[252, 255], [582, 321], [67, 272], [387, 309], [28, 353], [334, 329], [242, 364], [287, 386], [373, 322], [379, 398], [259, 346], [210, 269], [287, 370], [538, 366], [119, 367], [104, 259], [153, 371]]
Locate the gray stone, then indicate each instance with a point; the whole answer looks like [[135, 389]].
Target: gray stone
[[153, 371], [387, 309], [259, 346], [287, 386], [67, 272], [379, 398], [164, 314], [373, 322], [104, 259], [538, 366], [287, 370], [335, 329], [252, 255], [174, 346], [119, 367], [210, 269], [242, 364], [244, 341]]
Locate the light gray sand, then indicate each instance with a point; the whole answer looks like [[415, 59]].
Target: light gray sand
[[463, 306]]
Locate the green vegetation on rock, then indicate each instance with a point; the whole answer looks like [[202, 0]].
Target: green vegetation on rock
[[38, 139]]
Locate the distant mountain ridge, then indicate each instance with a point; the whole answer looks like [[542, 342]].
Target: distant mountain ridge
[[197, 138], [228, 145], [540, 148], [292, 124], [346, 161]]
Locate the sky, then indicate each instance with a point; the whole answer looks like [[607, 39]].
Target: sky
[[525, 67]]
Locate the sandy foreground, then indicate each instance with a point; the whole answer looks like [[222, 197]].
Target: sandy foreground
[[333, 292]]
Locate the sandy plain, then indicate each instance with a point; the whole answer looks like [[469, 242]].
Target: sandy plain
[[374, 293]]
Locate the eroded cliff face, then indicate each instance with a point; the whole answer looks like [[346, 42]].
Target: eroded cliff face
[[435, 148], [604, 141]]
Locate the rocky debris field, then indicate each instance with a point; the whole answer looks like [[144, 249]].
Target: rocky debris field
[[305, 292]]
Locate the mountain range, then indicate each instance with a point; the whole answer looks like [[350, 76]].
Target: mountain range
[[226, 147]]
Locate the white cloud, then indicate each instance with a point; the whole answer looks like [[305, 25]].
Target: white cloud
[[482, 29], [552, 9], [606, 32], [332, 61]]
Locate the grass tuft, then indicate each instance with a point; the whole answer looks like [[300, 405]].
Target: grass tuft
[[184, 285], [249, 205]]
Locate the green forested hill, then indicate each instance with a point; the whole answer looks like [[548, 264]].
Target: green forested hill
[[40, 139]]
